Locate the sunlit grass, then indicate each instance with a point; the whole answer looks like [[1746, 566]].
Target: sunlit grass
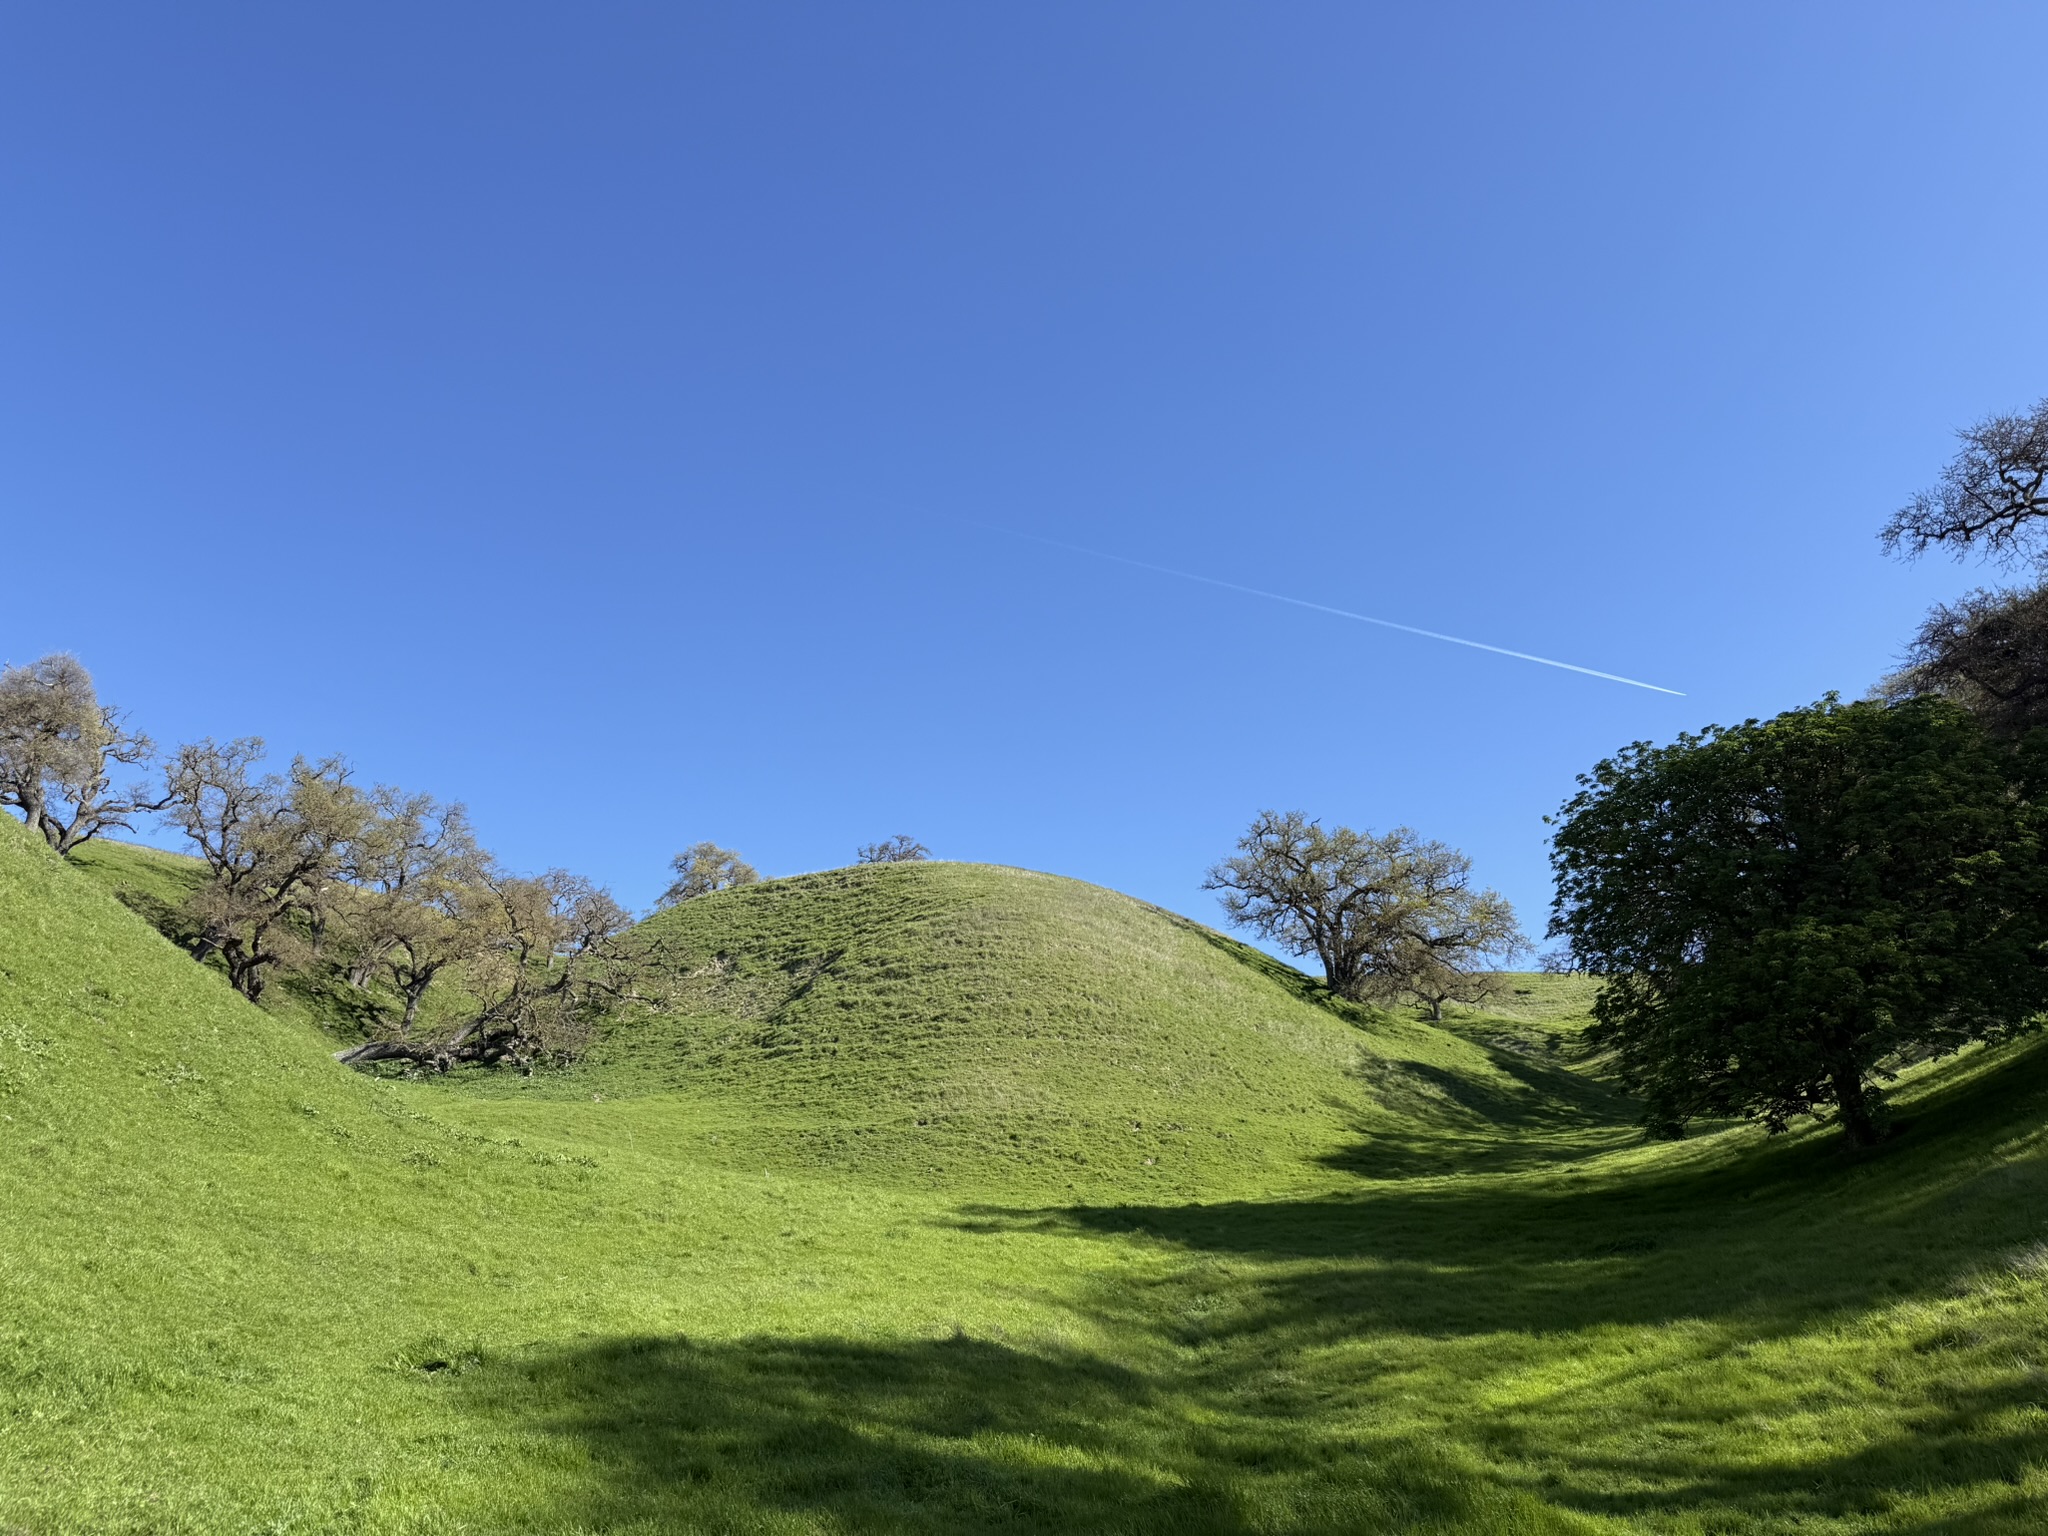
[[721, 1278]]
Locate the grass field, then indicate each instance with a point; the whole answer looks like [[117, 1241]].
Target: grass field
[[961, 1198]]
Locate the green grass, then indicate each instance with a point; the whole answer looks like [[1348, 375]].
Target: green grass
[[1376, 1275]]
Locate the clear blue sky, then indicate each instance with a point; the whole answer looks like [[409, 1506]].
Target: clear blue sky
[[608, 415]]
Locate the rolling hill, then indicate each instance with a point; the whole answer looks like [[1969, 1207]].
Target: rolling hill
[[962, 1198], [934, 1021]]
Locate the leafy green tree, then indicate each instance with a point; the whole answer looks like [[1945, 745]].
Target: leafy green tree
[[703, 868], [1785, 911]]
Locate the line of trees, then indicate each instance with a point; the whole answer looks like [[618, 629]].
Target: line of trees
[[308, 873], [1783, 913], [387, 894]]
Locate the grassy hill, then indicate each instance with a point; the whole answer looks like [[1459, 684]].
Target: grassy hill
[[1376, 1275], [958, 1022]]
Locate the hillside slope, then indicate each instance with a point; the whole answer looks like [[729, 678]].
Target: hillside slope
[[244, 1290], [963, 1020]]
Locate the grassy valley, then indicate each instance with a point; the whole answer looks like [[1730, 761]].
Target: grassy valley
[[954, 1197]]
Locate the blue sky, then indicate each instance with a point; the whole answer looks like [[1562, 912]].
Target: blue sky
[[618, 416]]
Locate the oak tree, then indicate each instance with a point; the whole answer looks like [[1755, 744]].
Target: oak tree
[[275, 848], [704, 868], [900, 849], [1449, 941], [60, 749], [1991, 497], [1785, 911], [551, 955], [1384, 914]]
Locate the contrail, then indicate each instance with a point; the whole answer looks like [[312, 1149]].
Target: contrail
[[1344, 613]]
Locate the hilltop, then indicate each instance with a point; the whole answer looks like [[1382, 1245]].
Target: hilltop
[[718, 1278]]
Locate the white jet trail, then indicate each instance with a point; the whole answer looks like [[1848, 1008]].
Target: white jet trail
[[1343, 613]]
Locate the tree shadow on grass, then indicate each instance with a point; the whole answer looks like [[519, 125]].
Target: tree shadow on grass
[[924, 1436], [1972, 1452], [1377, 1363], [1710, 1259], [1536, 1108], [1776, 1232], [1533, 1111]]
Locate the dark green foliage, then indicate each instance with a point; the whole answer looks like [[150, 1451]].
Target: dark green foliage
[[1785, 911]]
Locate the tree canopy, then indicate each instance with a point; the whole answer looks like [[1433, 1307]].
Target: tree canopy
[[1988, 651], [1991, 497], [900, 849], [59, 749], [1386, 915], [703, 868], [1785, 911]]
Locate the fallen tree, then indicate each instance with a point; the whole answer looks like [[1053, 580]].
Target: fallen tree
[[545, 959]]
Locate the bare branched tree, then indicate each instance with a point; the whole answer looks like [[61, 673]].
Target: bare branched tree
[[1314, 892], [1386, 915], [275, 847], [59, 750], [1449, 942], [703, 868], [900, 849], [1990, 499], [1988, 651], [404, 873]]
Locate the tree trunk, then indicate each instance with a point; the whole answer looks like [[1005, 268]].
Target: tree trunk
[[1853, 1109], [365, 964], [415, 989]]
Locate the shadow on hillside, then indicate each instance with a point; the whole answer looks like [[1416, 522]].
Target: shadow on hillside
[[1547, 1111], [1738, 1245], [1290, 1392], [1539, 1111], [1296, 983], [662, 1434], [927, 1436], [871, 1436], [1773, 1233], [1982, 1437]]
